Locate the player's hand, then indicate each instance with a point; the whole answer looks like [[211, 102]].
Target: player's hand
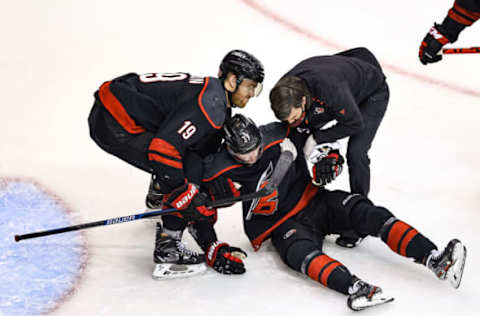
[[190, 202], [287, 145], [431, 45], [225, 259], [223, 188], [328, 168]]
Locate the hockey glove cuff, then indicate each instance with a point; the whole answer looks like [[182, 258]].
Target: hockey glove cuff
[[190, 202]]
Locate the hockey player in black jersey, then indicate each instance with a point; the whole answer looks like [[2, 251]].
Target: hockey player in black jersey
[[463, 14], [348, 87], [164, 124], [298, 215]]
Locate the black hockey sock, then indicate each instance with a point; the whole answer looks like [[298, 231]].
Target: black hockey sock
[[406, 240]]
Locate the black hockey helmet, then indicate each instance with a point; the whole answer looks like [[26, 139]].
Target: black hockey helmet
[[243, 65], [242, 136]]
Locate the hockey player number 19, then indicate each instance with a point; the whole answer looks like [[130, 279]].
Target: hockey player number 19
[[154, 77], [187, 130]]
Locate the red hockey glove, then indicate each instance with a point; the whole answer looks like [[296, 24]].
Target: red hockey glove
[[431, 45], [328, 168], [225, 259], [190, 202]]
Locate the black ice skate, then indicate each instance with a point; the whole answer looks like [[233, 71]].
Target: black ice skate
[[173, 259], [448, 264], [363, 295], [154, 200]]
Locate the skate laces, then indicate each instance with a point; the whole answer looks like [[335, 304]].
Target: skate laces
[[434, 258], [182, 248], [355, 287]]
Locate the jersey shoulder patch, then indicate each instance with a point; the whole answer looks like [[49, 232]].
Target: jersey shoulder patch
[[273, 133], [217, 164], [213, 102]]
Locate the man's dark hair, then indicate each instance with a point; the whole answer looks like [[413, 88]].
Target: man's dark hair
[[288, 93]]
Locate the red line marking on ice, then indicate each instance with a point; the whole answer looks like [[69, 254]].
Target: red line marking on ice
[[325, 42]]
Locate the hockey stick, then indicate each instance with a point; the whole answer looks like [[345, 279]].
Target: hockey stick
[[469, 50], [281, 168], [134, 217]]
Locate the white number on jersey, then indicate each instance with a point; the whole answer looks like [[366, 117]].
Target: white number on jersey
[[187, 130], [155, 77]]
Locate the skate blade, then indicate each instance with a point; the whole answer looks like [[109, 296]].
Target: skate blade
[[455, 273], [362, 302], [165, 271]]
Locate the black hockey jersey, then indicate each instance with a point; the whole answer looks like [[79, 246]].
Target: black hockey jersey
[[463, 13], [338, 85], [294, 192], [181, 111]]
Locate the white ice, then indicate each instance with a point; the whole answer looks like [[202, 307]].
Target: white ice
[[55, 54]]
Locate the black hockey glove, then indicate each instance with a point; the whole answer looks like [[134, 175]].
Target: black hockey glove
[[431, 45], [328, 168], [190, 203], [225, 259], [222, 188]]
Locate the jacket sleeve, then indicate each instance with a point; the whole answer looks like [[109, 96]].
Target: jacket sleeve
[[343, 107]]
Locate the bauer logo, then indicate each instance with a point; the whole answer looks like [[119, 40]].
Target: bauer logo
[[186, 197], [289, 233], [120, 219]]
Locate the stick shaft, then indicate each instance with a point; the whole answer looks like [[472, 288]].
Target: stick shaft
[[110, 221], [134, 217]]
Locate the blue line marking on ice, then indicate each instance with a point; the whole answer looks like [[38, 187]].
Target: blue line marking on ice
[[34, 273]]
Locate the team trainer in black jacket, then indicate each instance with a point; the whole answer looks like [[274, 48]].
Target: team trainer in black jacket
[[348, 87]]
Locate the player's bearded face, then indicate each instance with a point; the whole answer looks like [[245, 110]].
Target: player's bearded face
[[246, 90]]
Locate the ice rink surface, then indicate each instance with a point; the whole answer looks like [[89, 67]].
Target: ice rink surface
[[425, 158]]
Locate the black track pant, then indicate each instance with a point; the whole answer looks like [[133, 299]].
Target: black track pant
[[373, 110]]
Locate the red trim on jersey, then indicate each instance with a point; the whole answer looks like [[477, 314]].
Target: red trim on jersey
[[164, 147], [306, 197], [222, 171], [202, 108], [166, 161], [111, 103], [273, 143]]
